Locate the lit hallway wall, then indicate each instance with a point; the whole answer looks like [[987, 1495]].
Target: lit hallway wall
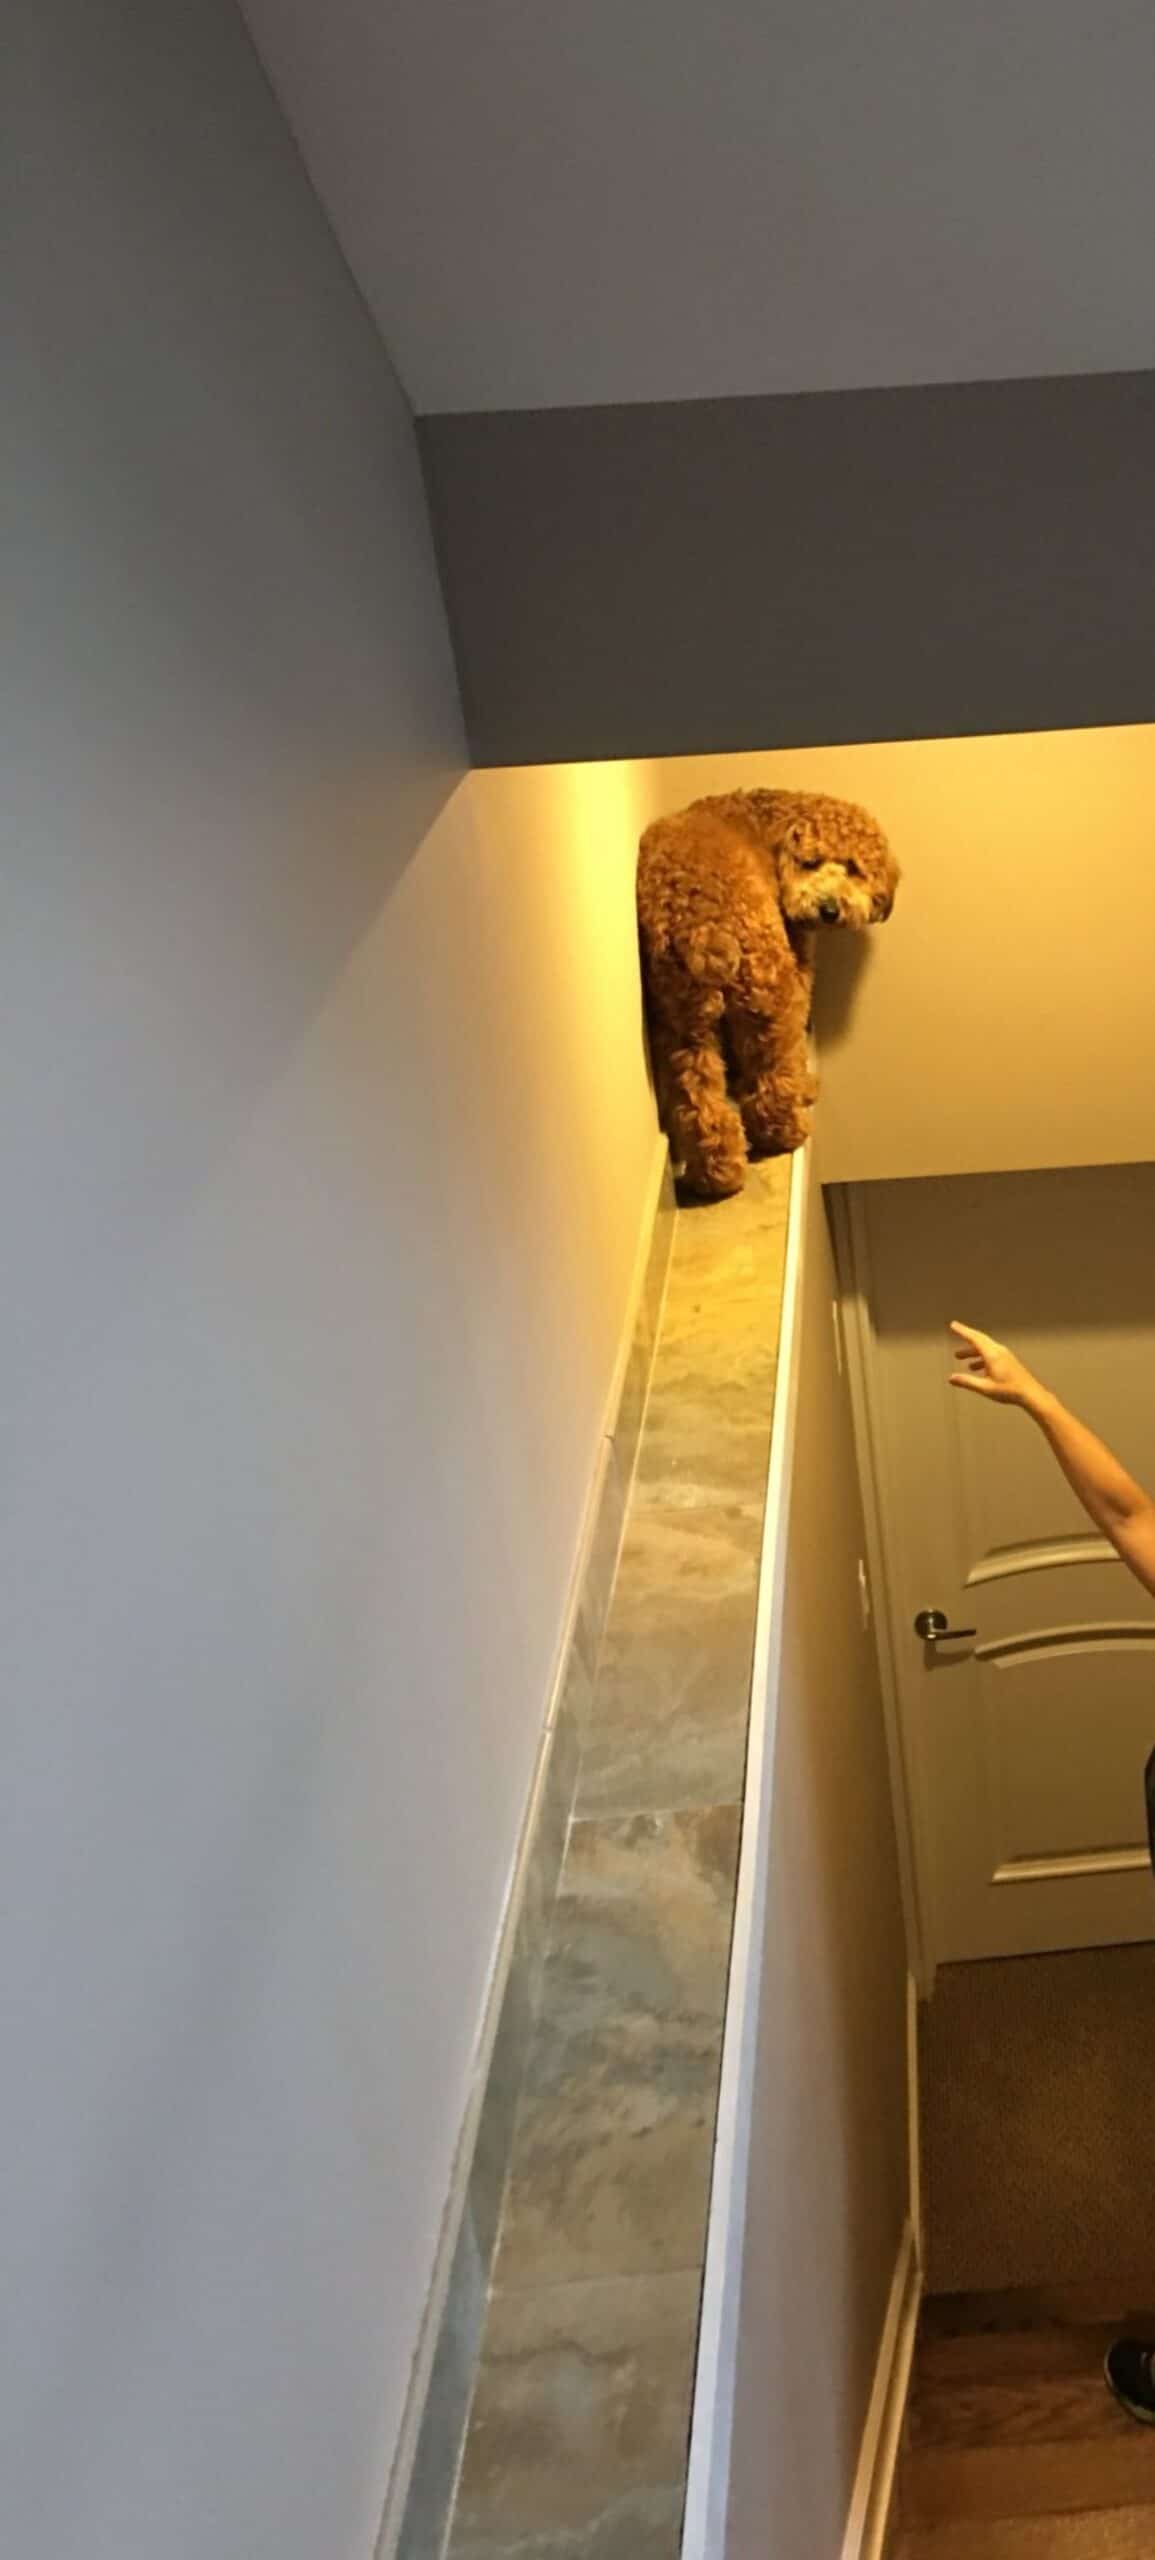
[[1003, 1019], [827, 2196], [326, 1140]]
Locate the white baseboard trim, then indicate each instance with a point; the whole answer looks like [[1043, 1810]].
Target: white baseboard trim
[[656, 1180], [914, 2122], [870, 2499]]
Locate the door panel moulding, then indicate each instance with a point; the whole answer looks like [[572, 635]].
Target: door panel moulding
[[1047, 1644], [1041, 1555], [1089, 1862]]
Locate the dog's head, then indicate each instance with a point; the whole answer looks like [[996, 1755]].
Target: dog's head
[[833, 861]]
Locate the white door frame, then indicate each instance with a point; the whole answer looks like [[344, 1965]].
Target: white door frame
[[852, 1262]]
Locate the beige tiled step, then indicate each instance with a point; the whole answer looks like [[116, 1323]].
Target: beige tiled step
[[1101, 2533]]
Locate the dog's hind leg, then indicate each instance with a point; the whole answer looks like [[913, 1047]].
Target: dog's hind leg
[[703, 1127], [773, 1083]]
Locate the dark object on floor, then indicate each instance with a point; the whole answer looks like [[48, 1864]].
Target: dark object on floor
[[1038, 2098], [1127, 2366]]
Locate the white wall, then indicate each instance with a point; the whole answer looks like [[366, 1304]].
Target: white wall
[[322, 1180], [681, 200]]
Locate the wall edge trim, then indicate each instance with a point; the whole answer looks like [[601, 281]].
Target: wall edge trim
[[707, 2485], [870, 2499]]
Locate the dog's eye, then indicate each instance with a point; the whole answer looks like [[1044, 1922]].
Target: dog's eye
[[810, 861], [855, 870]]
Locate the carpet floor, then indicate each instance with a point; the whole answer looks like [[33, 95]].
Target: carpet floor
[[1038, 2120]]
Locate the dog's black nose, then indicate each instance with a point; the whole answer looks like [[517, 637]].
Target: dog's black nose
[[828, 911]]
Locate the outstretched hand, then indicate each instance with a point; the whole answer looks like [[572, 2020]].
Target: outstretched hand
[[989, 1369]]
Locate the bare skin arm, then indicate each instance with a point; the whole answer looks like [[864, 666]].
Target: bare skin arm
[[1117, 1505]]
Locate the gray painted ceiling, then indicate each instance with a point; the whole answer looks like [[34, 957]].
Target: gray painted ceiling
[[563, 201]]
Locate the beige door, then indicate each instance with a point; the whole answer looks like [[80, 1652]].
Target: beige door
[[1025, 1742]]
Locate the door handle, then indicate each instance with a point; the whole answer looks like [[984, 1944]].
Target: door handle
[[934, 1627]]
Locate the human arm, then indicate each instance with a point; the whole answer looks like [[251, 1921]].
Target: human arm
[[1117, 1505]]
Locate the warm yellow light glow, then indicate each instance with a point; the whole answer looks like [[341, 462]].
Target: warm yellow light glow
[[1005, 1017]]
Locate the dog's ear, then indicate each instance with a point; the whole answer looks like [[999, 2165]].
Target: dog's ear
[[787, 827], [798, 838]]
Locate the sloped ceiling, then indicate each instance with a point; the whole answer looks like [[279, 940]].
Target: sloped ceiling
[[552, 202]]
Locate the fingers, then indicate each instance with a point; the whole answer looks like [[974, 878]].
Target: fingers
[[963, 1378], [969, 1335]]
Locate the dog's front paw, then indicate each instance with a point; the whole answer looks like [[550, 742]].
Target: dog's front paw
[[714, 1173], [776, 1130]]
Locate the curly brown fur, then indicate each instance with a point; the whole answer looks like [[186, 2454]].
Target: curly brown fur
[[731, 892]]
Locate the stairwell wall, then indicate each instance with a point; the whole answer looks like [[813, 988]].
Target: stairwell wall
[[327, 1143]]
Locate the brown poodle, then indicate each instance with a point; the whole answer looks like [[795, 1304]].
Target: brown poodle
[[730, 892]]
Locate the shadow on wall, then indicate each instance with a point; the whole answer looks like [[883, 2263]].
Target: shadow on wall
[[1071, 1208], [843, 960]]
